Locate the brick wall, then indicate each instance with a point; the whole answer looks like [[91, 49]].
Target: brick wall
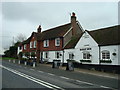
[[52, 46]]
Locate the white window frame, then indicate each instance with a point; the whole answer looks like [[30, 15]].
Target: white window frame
[[31, 44], [46, 43], [86, 56], [25, 46], [105, 55], [35, 44], [57, 42], [71, 56]]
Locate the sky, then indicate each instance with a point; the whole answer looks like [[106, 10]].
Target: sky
[[24, 17]]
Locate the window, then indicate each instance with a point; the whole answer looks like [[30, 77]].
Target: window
[[57, 54], [105, 55], [20, 47], [46, 54], [46, 43], [25, 47], [71, 56], [31, 44], [57, 42], [86, 55], [35, 44]]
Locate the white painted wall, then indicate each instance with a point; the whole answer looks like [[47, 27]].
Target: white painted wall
[[19, 50], [66, 54], [52, 57], [112, 49], [86, 41]]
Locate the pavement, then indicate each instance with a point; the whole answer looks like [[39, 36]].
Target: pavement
[[85, 71]]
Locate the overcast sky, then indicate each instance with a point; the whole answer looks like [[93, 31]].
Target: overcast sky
[[24, 17]]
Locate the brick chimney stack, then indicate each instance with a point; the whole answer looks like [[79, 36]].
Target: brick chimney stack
[[39, 29], [73, 24]]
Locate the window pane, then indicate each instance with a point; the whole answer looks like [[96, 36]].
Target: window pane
[[57, 42], [105, 55], [71, 56]]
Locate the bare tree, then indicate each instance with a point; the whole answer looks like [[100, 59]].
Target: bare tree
[[21, 37]]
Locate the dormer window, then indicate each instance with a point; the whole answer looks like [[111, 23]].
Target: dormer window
[[57, 42], [35, 44], [46, 43]]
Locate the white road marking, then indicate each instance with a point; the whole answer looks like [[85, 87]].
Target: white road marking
[[84, 82], [41, 71], [51, 74], [46, 84], [64, 77], [104, 87]]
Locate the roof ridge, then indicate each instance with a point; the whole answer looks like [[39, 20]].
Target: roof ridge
[[104, 28], [56, 27]]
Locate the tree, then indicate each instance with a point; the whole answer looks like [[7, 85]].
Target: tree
[[20, 38], [12, 52]]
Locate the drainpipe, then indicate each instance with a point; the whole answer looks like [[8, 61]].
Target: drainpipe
[[99, 54], [63, 50], [63, 57]]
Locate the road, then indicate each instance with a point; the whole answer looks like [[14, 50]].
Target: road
[[21, 76]]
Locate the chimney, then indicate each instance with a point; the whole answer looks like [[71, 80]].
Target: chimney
[[39, 29], [73, 24]]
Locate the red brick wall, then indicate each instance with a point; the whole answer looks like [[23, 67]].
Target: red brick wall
[[27, 48], [52, 46], [32, 49]]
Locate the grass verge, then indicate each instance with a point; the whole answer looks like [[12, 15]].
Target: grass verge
[[7, 58]]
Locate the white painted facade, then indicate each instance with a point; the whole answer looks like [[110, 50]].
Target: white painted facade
[[112, 49], [52, 56], [19, 50], [66, 54], [88, 44]]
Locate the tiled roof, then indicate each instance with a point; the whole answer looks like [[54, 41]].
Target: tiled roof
[[74, 40], [50, 33], [55, 32], [106, 36]]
